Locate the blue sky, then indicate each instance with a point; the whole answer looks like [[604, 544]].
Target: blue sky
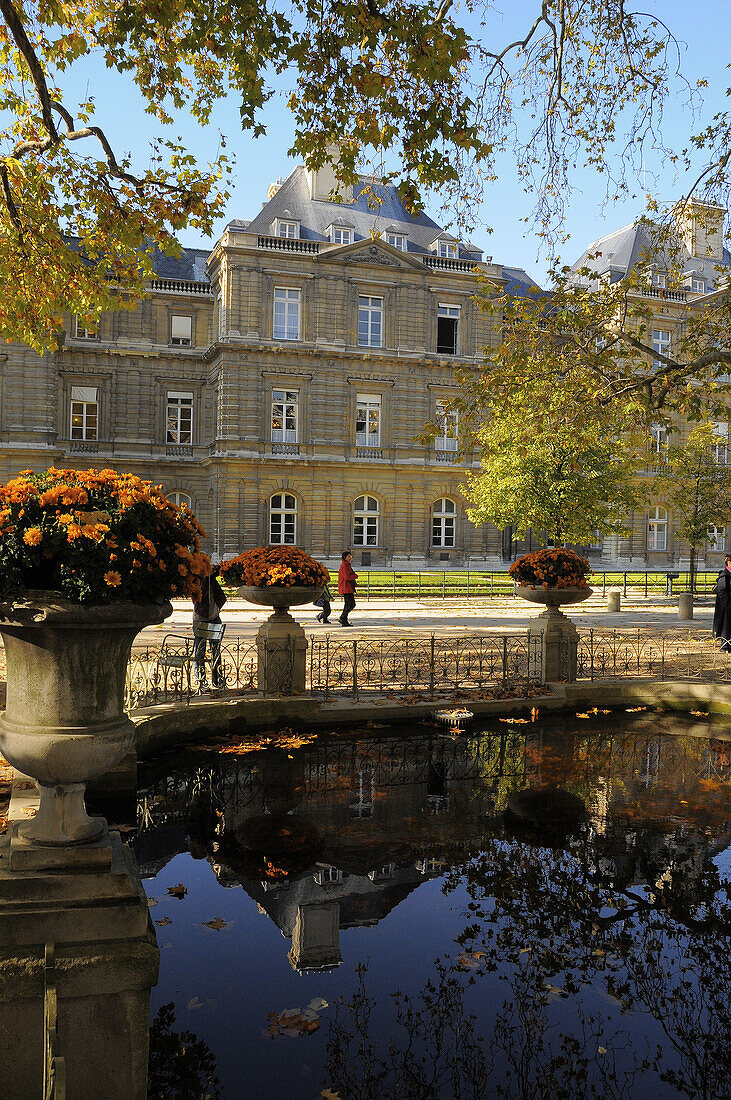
[[702, 30]]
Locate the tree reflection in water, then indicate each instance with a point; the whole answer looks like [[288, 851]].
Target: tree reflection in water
[[181, 1065]]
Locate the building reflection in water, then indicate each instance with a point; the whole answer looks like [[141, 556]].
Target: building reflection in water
[[336, 834]]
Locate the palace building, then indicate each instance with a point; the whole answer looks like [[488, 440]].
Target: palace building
[[277, 383]]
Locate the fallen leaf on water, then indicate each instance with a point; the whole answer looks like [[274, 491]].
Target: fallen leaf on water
[[317, 1004], [633, 710], [328, 1094], [515, 721], [580, 714], [601, 1050], [292, 1023], [699, 713], [555, 989], [151, 902], [163, 922], [194, 1003], [470, 960], [217, 925], [178, 891]]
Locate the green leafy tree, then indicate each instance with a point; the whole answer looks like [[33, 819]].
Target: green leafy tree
[[417, 85], [697, 488]]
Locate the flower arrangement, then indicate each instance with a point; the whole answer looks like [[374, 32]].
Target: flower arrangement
[[97, 536], [267, 566], [551, 568]]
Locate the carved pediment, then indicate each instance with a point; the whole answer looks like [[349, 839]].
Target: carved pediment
[[372, 254]]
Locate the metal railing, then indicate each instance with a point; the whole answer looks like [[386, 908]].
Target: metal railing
[[181, 286], [485, 584], [288, 244], [666, 655], [54, 1064]]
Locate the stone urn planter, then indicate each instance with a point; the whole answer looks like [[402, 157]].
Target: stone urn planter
[[281, 643], [64, 721], [280, 598], [553, 597]]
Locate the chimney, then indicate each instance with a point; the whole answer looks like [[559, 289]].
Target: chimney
[[273, 188], [700, 225]]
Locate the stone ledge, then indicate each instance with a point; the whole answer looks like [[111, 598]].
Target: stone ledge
[[168, 726]]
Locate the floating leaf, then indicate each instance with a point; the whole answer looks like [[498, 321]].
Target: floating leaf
[[217, 925], [178, 891], [163, 922]]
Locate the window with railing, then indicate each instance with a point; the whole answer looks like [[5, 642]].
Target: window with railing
[[84, 412], [661, 343], [181, 330], [285, 416], [448, 428], [179, 418], [398, 240], [366, 516], [444, 518], [286, 322], [657, 529], [719, 448], [283, 519], [289, 229], [447, 250], [717, 538], [368, 420], [448, 330], [370, 321]]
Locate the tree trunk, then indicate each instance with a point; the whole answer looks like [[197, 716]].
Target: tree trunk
[[693, 558]]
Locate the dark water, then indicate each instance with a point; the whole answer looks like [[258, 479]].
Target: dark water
[[392, 918]]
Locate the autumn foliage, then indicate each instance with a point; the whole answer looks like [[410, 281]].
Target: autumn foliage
[[551, 568], [97, 536], [266, 566]]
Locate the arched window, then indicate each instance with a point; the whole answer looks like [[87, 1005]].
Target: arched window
[[717, 538], [365, 521], [657, 529], [181, 499], [283, 519], [444, 516]]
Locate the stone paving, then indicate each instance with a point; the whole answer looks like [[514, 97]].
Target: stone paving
[[395, 617]]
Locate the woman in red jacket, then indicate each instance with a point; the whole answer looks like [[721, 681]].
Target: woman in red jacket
[[347, 580]]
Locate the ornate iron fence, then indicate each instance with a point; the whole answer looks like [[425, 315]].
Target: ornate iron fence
[[166, 675], [431, 664], [670, 655]]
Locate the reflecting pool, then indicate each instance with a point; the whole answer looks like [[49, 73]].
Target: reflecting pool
[[531, 909]]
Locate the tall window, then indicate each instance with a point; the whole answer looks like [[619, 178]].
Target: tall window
[[448, 423], [283, 519], [370, 322], [179, 419], [181, 331], [341, 236], [398, 240], [448, 330], [365, 521], [368, 420], [661, 343], [181, 499], [85, 330], [84, 412], [657, 529], [444, 516], [659, 437], [447, 250], [286, 313], [717, 538], [285, 416], [719, 449]]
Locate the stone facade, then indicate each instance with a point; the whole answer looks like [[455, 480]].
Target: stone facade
[[278, 383]]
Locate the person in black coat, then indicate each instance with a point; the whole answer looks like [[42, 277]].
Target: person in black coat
[[722, 610], [208, 610]]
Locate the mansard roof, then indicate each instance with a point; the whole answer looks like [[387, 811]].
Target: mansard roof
[[189, 266], [365, 212], [637, 245]]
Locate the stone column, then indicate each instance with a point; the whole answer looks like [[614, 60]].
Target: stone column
[[282, 655]]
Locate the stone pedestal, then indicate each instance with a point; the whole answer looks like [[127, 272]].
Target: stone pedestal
[[614, 600], [282, 656], [685, 605], [106, 961], [559, 647]]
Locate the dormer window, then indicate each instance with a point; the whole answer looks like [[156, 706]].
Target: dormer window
[[286, 226], [659, 279], [340, 233], [397, 240], [445, 247], [698, 285]]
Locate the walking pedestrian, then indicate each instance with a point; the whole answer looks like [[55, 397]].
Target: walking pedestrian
[[207, 612], [347, 581], [722, 610], [325, 602]]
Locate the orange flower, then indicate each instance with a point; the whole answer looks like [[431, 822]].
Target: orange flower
[[112, 579], [33, 536]]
